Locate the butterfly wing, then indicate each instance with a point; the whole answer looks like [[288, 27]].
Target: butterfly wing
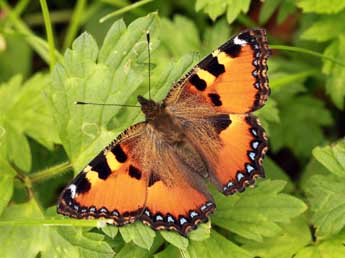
[[113, 185], [243, 145], [233, 78], [212, 103]]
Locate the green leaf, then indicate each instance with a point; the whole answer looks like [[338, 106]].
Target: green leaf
[[202, 232], [268, 114], [328, 210], [7, 174], [110, 231], [169, 252], [139, 234], [325, 28], [316, 6], [294, 237], [217, 245], [330, 248], [335, 84], [256, 213], [274, 172], [215, 8], [25, 113], [132, 251], [107, 76], [310, 115], [48, 241], [175, 239], [332, 157]]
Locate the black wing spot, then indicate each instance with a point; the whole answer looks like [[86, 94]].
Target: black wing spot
[[215, 98], [134, 172], [82, 183], [119, 153], [214, 67], [100, 165], [200, 84], [220, 122], [231, 49]]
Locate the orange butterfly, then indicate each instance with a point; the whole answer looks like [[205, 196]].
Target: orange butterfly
[[155, 170]]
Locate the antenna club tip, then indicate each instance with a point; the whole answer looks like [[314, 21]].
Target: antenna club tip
[[79, 102]]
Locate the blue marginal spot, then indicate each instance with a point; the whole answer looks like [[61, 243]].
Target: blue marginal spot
[[159, 217], [147, 213], [252, 155], [230, 184], [170, 219], [255, 144], [225, 188], [115, 213], [249, 168], [254, 132], [193, 214], [203, 207], [239, 176], [183, 221]]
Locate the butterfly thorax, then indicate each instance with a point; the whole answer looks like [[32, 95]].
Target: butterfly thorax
[[150, 108]]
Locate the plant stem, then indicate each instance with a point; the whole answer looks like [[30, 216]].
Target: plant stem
[[49, 32], [123, 10], [50, 172], [308, 52]]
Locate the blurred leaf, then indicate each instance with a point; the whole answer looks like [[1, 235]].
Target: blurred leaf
[[300, 128], [325, 28], [25, 113], [335, 84], [316, 6], [268, 114], [216, 246], [328, 210], [330, 248], [255, 213], [202, 232], [215, 8], [287, 8], [332, 157], [7, 174], [15, 49], [293, 238], [267, 9], [169, 252], [48, 241], [139, 234]]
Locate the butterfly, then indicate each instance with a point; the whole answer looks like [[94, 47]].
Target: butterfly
[[157, 171]]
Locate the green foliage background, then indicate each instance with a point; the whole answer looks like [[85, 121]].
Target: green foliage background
[[54, 53]]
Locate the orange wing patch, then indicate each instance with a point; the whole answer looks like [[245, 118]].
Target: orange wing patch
[[243, 146], [178, 207], [113, 185], [234, 77]]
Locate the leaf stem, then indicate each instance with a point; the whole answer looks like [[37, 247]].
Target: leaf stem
[[308, 52], [123, 10], [50, 172], [49, 31]]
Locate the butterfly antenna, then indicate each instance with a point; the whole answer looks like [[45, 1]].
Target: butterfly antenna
[[103, 104], [149, 65]]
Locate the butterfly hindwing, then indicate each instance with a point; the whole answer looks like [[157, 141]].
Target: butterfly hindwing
[[243, 145], [113, 185], [233, 78], [177, 206]]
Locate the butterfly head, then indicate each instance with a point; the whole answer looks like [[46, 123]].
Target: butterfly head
[[150, 108]]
